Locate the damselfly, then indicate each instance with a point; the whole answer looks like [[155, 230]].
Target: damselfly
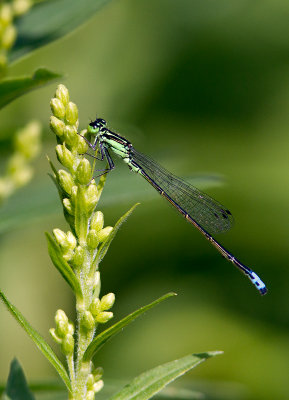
[[205, 213]]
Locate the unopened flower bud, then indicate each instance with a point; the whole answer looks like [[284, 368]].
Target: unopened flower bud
[[78, 256], [67, 345], [62, 94], [83, 172], [92, 239], [21, 7], [98, 386], [70, 135], [57, 126], [21, 176], [68, 255], [95, 307], [107, 301], [70, 328], [88, 320], [54, 336], [104, 233], [60, 237], [64, 156], [71, 239], [61, 329], [27, 140], [60, 315], [82, 145], [65, 180], [8, 37], [97, 221], [67, 204], [61, 322], [91, 197], [57, 108], [97, 374], [6, 14], [71, 115], [104, 317]]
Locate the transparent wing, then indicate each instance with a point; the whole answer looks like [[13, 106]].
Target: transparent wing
[[207, 212]]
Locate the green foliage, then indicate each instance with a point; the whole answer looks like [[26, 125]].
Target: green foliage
[[17, 388], [38, 340], [14, 87], [151, 382], [51, 20]]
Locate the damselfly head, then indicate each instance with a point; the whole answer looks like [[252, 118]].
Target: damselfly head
[[97, 126]]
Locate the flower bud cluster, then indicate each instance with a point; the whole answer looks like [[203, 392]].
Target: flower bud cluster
[[98, 312], [8, 11], [67, 242], [97, 233], [94, 383], [99, 308], [18, 170], [64, 123], [63, 332], [76, 184]]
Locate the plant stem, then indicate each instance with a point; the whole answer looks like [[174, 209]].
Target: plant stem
[[84, 336]]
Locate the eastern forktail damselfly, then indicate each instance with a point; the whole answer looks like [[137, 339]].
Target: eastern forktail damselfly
[[205, 213]]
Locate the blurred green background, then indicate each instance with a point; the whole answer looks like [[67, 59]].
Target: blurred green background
[[202, 87]]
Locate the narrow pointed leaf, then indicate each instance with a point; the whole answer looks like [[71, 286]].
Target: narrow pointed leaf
[[50, 20], [38, 340], [17, 388], [104, 336], [12, 88], [151, 382], [62, 266], [105, 245]]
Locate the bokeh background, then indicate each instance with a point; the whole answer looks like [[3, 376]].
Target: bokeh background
[[202, 87]]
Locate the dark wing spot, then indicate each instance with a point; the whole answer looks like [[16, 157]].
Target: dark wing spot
[[216, 215]]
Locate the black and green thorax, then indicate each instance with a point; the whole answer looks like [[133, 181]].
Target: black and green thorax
[[105, 138]]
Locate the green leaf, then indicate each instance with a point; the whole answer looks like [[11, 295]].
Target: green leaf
[[17, 388], [38, 340], [12, 88], [105, 245], [62, 265], [104, 336], [151, 382], [50, 20]]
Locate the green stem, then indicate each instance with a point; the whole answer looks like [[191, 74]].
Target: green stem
[[84, 336]]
